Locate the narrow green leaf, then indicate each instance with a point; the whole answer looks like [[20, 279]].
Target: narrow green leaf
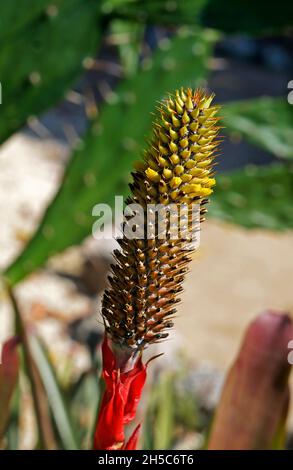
[[13, 425], [100, 168], [84, 399], [267, 122], [54, 394], [46, 438], [163, 428], [255, 197]]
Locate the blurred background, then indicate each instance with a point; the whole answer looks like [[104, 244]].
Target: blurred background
[[79, 81]]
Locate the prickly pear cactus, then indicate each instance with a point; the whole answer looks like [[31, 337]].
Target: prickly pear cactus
[[256, 197], [42, 54], [95, 174], [162, 11], [265, 121]]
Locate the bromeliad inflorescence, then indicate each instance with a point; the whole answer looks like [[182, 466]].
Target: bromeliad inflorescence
[[146, 279]]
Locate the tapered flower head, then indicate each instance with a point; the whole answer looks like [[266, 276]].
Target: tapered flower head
[[139, 306]]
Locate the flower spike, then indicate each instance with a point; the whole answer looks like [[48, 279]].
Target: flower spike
[[140, 303], [177, 169]]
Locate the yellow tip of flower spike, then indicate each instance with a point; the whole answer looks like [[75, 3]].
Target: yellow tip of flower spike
[[192, 128]]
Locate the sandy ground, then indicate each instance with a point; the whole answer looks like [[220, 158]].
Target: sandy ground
[[235, 275]]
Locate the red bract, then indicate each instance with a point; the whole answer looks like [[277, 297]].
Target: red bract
[[254, 403], [119, 403], [9, 368]]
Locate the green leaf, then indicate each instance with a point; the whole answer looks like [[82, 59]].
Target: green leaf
[[248, 16], [129, 42], [55, 397], [163, 429], [267, 122], [49, 53], [13, 425], [84, 400], [159, 422], [255, 197], [43, 420], [101, 167], [167, 12], [17, 14]]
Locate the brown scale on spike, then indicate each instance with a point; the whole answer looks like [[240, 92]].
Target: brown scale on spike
[[139, 305]]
